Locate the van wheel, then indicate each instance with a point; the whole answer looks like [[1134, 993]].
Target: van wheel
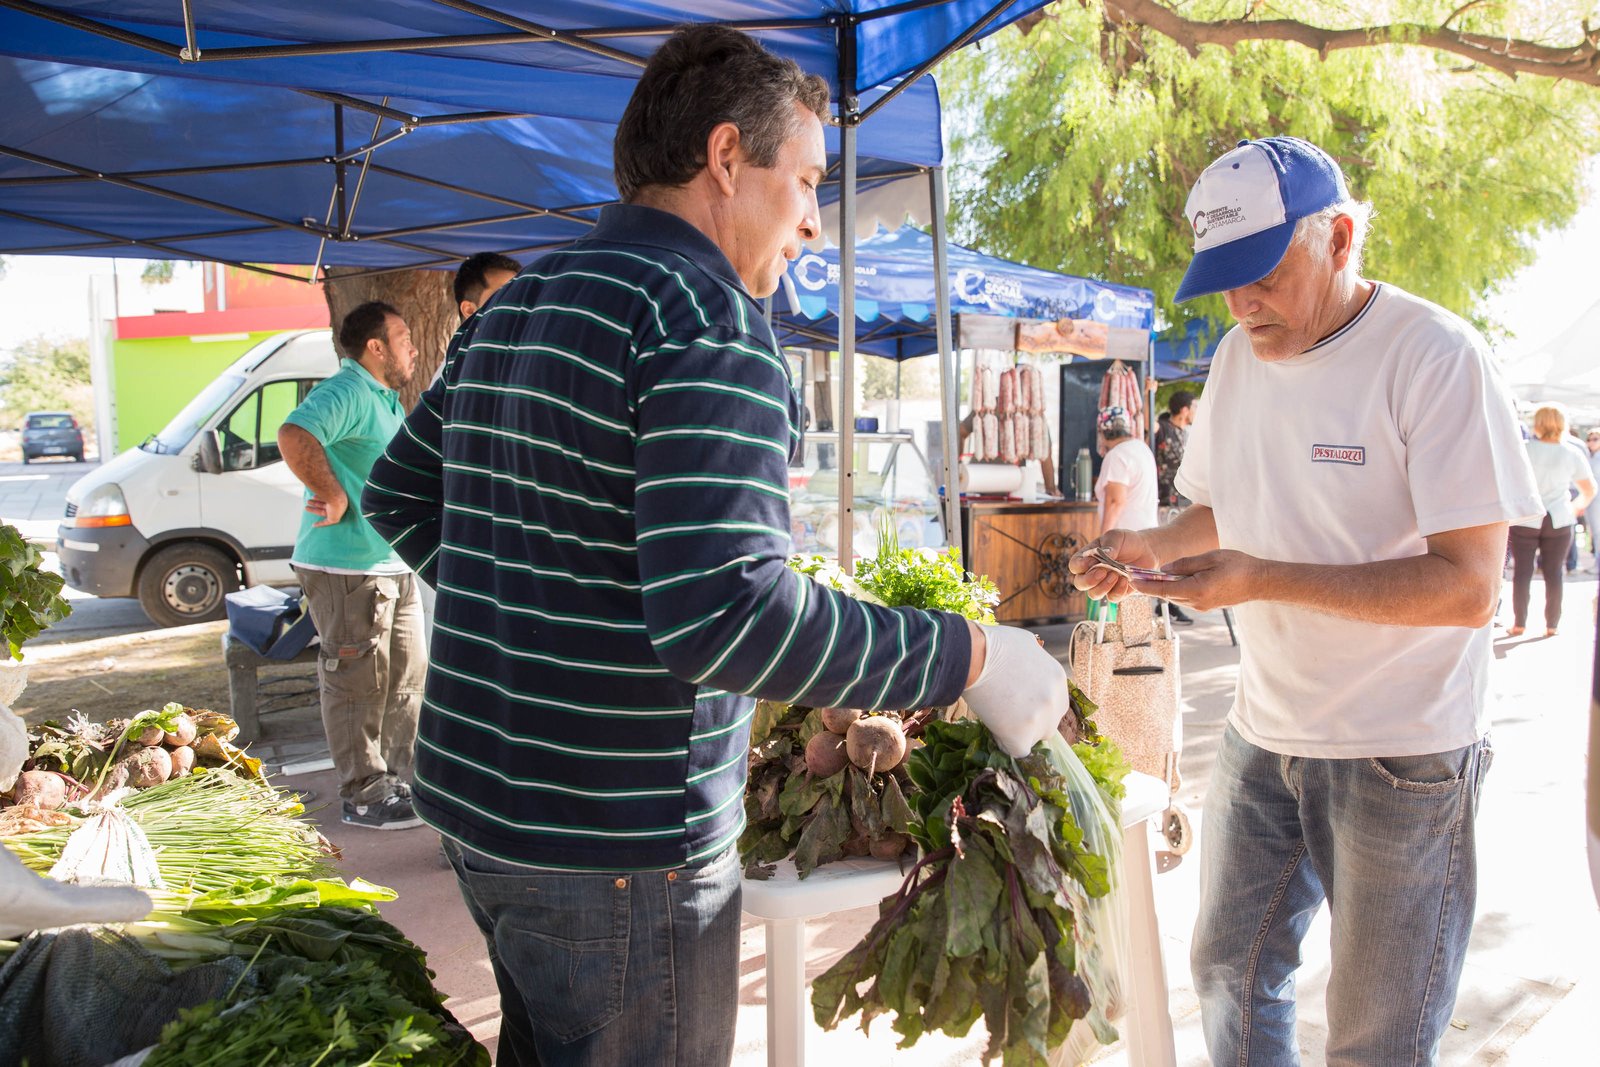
[[185, 583]]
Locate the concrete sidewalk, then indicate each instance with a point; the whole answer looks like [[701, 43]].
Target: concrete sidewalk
[[1530, 991]]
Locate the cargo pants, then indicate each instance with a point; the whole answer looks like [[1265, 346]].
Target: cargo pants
[[370, 673]]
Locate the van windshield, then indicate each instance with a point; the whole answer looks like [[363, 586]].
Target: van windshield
[[195, 414]]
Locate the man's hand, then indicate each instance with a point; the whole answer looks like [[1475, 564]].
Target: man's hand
[[1022, 692], [331, 507], [1100, 582], [1212, 580]]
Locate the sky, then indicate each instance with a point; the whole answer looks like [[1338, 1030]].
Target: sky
[[49, 295]]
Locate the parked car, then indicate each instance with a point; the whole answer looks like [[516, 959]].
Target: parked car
[[51, 433], [207, 505]]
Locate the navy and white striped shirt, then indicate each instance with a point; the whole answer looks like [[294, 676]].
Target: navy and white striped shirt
[[597, 487]]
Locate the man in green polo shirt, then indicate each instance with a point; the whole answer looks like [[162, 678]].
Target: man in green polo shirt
[[363, 598]]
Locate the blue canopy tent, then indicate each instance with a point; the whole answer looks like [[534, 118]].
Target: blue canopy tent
[[458, 62], [1188, 356], [894, 297], [96, 161]]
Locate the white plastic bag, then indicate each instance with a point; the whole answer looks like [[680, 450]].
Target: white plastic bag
[[1101, 930]]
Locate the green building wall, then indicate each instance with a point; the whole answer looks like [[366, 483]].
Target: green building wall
[[156, 376]]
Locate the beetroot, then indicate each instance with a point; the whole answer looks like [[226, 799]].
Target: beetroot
[[184, 734], [42, 789], [889, 845], [151, 736], [182, 761], [825, 755], [838, 720], [876, 743], [148, 767]]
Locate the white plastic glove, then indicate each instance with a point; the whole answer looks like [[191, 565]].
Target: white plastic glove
[[30, 901], [13, 747], [1022, 693]]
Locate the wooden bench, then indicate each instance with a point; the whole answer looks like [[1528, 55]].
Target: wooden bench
[[245, 690]]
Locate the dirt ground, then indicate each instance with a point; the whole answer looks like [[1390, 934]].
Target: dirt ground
[[121, 675]]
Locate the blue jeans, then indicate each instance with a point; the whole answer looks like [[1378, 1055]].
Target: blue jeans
[[1389, 844], [598, 970]]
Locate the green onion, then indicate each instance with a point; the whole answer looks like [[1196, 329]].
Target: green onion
[[209, 831]]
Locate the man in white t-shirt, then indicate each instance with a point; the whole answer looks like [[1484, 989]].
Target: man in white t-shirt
[[1354, 464], [1126, 488]]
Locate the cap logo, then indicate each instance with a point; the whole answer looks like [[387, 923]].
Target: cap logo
[[1200, 226], [1215, 219]]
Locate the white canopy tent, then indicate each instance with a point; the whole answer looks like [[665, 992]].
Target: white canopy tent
[[1565, 370]]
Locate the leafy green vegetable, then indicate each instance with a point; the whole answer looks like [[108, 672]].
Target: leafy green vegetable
[[302, 963], [982, 926], [370, 1025], [30, 598]]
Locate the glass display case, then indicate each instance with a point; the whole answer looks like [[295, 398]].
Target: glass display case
[[892, 482]]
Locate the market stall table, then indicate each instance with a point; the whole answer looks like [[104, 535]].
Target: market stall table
[[784, 903]]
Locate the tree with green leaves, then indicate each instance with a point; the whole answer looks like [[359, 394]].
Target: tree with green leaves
[[47, 375], [1077, 140]]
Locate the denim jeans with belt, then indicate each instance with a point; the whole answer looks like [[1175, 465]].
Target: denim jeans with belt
[[606, 969], [1389, 844]]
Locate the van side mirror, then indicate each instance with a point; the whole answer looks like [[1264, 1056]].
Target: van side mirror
[[208, 459]]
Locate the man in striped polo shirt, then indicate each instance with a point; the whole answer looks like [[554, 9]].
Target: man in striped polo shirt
[[598, 490]]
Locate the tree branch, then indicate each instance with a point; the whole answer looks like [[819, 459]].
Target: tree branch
[[1579, 62]]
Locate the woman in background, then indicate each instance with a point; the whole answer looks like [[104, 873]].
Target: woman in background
[[1126, 488], [1558, 465]]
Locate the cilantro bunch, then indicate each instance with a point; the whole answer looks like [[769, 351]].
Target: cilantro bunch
[[982, 925]]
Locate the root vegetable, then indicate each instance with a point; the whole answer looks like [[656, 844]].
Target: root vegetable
[[151, 736], [148, 767], [116, 777], [182, 761], [876, 743], [838, 720], [184, 734], [912, 744], [825, 755], [856, 845], [889, 845], [42, 789]]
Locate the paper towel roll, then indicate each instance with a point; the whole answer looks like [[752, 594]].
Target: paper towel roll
[[990, 479]]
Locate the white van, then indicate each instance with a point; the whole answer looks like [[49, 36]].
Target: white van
[[207, 505]]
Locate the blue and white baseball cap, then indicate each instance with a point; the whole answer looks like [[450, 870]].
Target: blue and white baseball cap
[[1244, 208]]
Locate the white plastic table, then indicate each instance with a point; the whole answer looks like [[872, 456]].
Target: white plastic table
[[785, 902]]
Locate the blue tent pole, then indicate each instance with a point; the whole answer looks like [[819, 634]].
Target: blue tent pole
[[847, 348], [949, 381]]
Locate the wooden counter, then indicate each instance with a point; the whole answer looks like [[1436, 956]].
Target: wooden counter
[[1023, 548]]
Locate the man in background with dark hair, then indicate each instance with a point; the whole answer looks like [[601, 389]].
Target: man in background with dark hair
[[362, 597], [606, 521], [479, 277], [1172, 433]]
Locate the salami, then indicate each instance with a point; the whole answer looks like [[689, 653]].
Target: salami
[[1037, 377], [1038, 437], [975, 446], [1008, 392], [990, 394], [1026, 400], [991, 437], [1008, 438]]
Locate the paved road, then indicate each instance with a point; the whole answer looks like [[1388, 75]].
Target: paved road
[[33, 497]]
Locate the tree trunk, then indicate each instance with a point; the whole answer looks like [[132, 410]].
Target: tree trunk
[[424, 299]]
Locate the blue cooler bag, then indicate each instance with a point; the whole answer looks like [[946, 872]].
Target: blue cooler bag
[[275, 622]]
